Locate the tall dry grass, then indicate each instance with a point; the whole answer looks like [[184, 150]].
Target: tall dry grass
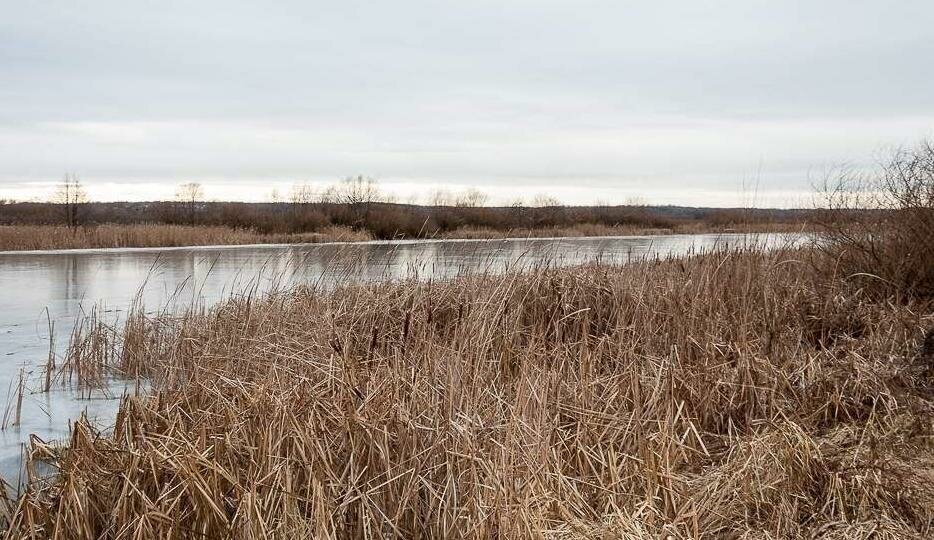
[[726, 395], [580, 230], [39, 237], [597, 230]]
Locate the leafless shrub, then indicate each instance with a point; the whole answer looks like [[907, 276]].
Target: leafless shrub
[[879, 225]]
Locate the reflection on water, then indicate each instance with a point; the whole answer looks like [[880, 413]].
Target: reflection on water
[[67, 284]]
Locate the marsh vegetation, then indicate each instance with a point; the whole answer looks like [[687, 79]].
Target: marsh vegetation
[[47, 237]]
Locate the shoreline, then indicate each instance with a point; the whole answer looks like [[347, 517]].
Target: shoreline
[[453, 236]]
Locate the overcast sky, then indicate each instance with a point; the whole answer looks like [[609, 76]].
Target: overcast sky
[[689, 102]]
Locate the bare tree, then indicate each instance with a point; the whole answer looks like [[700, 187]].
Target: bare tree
[[330, 195], [518, 211], [636, 200], [358, 190], [190, 194], [543, 200], [358, 193], [301, 194], [72, 197], [304, 215], [471, 198], [547, 211], [440, 197]]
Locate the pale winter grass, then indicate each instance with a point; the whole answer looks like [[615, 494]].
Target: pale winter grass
[[581, 230], [597, 230], [38, 237], [725, 395]]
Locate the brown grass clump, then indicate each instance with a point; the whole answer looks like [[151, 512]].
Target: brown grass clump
[[39, 237], [726, 395]]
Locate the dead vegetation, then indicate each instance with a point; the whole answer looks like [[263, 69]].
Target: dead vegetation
[[42, 237], [580, 230], [737, 394], [880, 225], [585, 230]]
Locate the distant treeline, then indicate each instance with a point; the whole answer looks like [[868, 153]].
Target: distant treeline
[[358, 203], [382, 219]]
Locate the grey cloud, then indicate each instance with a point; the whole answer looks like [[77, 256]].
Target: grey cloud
[[679, 92]]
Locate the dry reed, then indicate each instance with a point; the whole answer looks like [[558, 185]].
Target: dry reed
[[579, 230], [597, 230], [40, 237], [724, 395]]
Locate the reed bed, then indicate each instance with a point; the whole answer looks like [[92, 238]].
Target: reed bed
[[580, 230], [41, 237], [734, 394], [597, 230]]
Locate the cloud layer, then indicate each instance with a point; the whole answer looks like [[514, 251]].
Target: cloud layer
[[686, 102]]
